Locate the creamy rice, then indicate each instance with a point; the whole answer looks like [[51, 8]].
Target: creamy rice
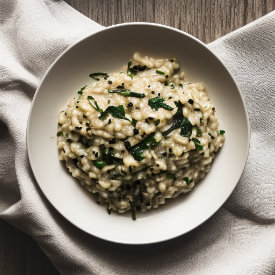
[[140, 136]]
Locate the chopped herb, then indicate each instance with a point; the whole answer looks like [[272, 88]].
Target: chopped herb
[[134, 122], [59, 134], [222, 132], [94, 75], [126, 92], [198, 145], [179, 121], [199, 133], [120, 86], [158, 102], [80, 92], [115, 111], [133, 210], [99, 163], [106, 157], [131, 71], [127, 145], [94, 104], [191, 101], [157, 122], [160, 72], [137, 150], [85, 141], [187, 180]]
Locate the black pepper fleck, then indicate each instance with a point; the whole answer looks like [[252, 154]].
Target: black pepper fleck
[[82, 156], [110, 82], [76, 106], [136, 131], [88, 129], [109, 121], [130, 104], [137, 108], [164, 154], [112, 141], [152, 92], [191, 101], [84, 116], [87, 124]]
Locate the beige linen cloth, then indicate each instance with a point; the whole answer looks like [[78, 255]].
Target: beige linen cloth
[[238, 239]]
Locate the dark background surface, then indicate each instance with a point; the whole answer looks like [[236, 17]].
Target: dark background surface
[[205, 19]]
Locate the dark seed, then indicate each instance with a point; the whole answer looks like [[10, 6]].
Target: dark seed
[[191, 101], [112, 141]]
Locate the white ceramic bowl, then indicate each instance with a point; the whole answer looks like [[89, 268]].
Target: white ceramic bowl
[[107, 51]]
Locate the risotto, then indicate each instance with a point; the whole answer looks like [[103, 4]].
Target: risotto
[[140, 136]]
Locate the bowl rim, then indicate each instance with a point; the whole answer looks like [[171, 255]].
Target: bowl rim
[[146, 24]]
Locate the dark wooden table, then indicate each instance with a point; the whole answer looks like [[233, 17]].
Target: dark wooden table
[[205, 19]]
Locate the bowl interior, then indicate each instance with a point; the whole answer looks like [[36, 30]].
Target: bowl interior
[[108, 51]]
